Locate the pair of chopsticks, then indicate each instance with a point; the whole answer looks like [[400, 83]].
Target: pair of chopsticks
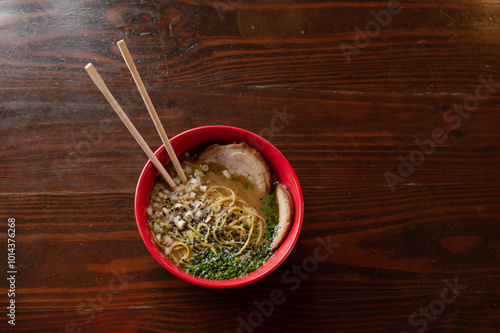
[[94, 75]]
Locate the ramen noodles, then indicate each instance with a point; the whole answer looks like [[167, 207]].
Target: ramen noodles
[[219, 225]]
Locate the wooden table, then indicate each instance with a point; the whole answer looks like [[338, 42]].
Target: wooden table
[[386, 110]]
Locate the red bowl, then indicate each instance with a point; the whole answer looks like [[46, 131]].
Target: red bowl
[[280, 167]]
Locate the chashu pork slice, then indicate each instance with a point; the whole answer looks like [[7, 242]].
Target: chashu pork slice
[[286, 210], [242, 159]]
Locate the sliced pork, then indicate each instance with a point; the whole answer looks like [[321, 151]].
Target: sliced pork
[[286, 209], [243, 160]]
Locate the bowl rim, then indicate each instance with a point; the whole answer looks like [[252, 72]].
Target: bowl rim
[[265, 148]]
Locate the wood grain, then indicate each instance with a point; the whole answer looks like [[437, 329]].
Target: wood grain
[[68, 167]]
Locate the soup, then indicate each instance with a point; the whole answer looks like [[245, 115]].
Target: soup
[[220, 225]]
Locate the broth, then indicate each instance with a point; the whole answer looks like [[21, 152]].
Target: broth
[[217, 226]]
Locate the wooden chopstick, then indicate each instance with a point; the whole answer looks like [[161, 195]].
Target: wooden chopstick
[[94, 75], [149, 105]]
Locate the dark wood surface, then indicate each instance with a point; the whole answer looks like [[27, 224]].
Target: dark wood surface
[[420, 254]]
